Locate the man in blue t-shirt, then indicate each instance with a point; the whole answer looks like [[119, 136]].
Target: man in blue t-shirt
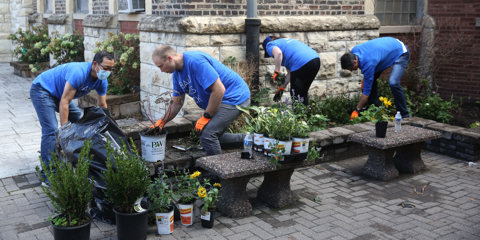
[[301, 61], [53, 91], [214, 87], [372, 57]]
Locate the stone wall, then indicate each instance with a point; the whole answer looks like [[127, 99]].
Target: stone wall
[[60, 6], [13, 15], [265, 8], [222, 37], [96, 29]]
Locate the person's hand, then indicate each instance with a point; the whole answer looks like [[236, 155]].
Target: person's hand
[[160, 123], [354, 114], [62, 128], [201, 122], [275, 75], [278, 94]]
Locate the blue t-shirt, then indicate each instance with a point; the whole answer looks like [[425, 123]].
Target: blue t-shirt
[[200, 71], [75, 73], [375, 56], [295, 53]]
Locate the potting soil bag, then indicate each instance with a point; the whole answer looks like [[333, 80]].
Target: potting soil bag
[[98, 125]]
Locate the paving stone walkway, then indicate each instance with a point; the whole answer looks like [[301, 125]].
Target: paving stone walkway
[[334, 200]]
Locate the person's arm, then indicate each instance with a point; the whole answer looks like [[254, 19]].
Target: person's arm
[[278, 56], [102, 101], [217, 91], [362, 102], [175, 105], [287, 79], [67, 96]]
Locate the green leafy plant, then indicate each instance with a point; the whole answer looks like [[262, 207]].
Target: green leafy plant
[[208, 193], [70, 189], [160, 194], [127, 176], [435, 108], [65, 48], [186, 186], [336, 109], [279, 80], [475, 124], [126, 69], [314, 152], [378, 113], [280, 123], [29, 43]]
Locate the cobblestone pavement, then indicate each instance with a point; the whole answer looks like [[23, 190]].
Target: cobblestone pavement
[[334, 202]]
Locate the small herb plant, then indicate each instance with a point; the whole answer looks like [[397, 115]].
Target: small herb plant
[[186, 186], [160, 194], [127, 177], [70, 189], [126, 69]]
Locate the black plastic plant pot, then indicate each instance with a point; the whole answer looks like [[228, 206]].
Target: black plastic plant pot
[[208, 219], [381, 129], [131, 226], [81, 232]]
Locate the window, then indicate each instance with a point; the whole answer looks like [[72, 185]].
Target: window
[[81, 6], [131, 6], [47, 4], [396, 12]]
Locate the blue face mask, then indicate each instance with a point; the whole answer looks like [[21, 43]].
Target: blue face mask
[[102, 74]]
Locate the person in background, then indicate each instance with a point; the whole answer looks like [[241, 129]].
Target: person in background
[[373, 57], [214, 87], [301, 61], [53, 91]]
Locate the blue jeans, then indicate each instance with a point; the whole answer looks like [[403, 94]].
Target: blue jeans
[[46, 106], [213, 134], [398, 68]]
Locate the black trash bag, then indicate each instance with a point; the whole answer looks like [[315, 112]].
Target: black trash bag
[[98, 125]]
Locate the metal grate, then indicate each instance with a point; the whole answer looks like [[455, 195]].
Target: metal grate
[[396, 12]]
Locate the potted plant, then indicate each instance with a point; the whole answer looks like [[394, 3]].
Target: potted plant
[[70, 191], [281, 125], [379, 115], [186, 192], [300, 140], [127, 179], [28, 46], [209, 197], [160, 198], [255, 122]]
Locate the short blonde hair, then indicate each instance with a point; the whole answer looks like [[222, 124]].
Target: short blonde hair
[[162, 51]]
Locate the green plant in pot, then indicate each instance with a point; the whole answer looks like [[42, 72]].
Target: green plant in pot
[[380, 115], [160, 196], [186, 193], [70, 191], [127, 180], [208, 193], [28, 46]]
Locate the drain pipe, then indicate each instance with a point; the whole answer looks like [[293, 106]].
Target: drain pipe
[[252, 28]]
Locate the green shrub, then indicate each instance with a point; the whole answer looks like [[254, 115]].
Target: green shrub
[[126, 69], [70, 189], [127, 177], [65, 48], [29, 44], [336, 109], [435, 108]]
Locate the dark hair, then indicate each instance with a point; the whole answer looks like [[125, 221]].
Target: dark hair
[[347, 60], [102, 54]]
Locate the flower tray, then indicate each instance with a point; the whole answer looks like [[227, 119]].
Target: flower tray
[[294, 157]]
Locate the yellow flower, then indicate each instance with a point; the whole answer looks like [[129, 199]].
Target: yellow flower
[[217, 185], [381, 99], [202, 192], [388, 103], [195, 174]]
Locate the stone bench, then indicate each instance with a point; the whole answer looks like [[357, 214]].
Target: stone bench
[[396, 152], [234, 174]]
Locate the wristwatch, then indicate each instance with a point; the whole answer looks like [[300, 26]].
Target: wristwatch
[[207, 115]]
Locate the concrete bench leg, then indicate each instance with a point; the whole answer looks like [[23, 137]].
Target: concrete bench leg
[[407, 158], [380, 164], [233, 200], [275, 189]]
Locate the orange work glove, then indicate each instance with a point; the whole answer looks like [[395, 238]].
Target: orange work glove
[[354, 114], [275, 75], [361, 87], [278, 94], [201, 124], [160, 123]]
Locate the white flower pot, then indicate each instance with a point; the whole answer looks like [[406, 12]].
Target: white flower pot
[[268, 144], [287, 145], [186, 214], [164, 222], [153, 147], [300, 145], [258, 142]]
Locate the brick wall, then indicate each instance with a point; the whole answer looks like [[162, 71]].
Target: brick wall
[[34, 5], [59, 6], [129, 27], [457, 71], [78, 26], [265, 7], [100, 6]]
